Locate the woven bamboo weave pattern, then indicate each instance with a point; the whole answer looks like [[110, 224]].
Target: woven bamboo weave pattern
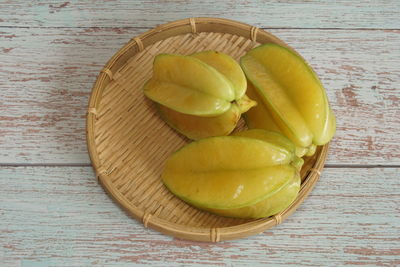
[[129, 143]]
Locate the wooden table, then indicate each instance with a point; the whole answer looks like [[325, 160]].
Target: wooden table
[[54, 213]]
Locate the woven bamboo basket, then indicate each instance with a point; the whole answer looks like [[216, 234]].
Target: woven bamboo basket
[[128, 143]]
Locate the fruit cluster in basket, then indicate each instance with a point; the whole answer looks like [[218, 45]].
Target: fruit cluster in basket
[[248, 174]]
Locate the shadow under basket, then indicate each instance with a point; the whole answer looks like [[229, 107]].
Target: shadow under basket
[[128, 143]]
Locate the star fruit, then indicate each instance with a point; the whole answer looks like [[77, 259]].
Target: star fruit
[[252, 174], [200, 95], [291, 99]]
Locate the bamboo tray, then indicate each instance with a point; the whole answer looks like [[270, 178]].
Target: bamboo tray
[[128, 143]]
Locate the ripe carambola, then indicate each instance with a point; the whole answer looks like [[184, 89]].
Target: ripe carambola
[[291, 98], [200, 95], [252, 174]]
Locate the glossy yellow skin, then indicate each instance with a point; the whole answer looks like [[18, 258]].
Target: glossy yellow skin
[[311, 150], [228, 67], [277, 139], [267, 207], [291, 94], [270, 137], [230, 173], [195, 126], [188, 85], [260, 118]]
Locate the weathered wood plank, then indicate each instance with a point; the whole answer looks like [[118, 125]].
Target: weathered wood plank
[[45, 88], [46, 76], [296, 14], [61, 217]]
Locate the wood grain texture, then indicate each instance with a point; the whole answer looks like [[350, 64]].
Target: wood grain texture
[[50, 55], [276, 14], [45, 88], [60, 216]]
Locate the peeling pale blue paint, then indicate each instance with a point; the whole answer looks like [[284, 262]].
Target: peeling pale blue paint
[[147, 14], [59, 216]]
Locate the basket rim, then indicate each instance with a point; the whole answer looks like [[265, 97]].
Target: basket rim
[[137, 44]]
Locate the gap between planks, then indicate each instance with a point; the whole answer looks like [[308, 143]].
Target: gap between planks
[[331, 166], [147, 28]]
